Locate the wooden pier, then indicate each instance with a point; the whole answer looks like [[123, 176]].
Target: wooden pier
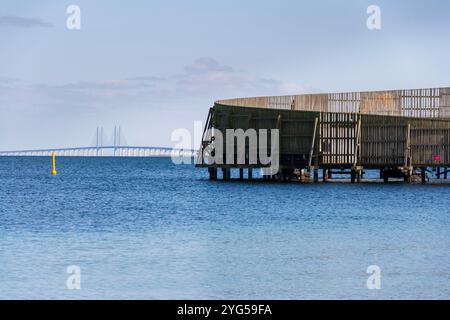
[[402, 133]]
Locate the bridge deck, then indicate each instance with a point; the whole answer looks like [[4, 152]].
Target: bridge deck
[[98, 151]]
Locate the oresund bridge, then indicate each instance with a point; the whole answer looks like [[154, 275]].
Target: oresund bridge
[[115, 148]]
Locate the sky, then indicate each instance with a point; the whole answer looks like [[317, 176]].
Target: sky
[[156, 66]]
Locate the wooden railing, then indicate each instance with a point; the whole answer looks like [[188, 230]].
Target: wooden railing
[[415, 103]]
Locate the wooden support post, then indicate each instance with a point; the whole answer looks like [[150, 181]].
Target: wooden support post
[[353, 176], [438, 172], [445, 172], [226, 174], [423, 175], [316, 147], [279, 177], [408, 160], [250, 173], [325, 174], [212, 174], [241, 174], [384, 175], [356, 170], [313, 147]]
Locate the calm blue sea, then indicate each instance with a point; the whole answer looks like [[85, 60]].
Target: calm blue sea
[[144, 228]]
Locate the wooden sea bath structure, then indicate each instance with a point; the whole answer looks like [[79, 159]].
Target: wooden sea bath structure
[[402, 133]]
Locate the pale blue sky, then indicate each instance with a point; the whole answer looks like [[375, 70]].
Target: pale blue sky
[[154, 66]]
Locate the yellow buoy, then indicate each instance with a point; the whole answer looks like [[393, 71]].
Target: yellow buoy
[[54, 163]]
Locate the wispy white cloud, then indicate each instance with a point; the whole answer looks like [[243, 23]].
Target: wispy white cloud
[[163, 103], [8, 80], [147, 79], [208, 74], [23, 22], [204, 79], [120, 84], [205, 66]]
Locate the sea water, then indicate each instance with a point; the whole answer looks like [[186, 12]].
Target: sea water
[[145, 228]]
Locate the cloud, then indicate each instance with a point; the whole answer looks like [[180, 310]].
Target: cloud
[[115, 85], [87, 96], [208, 75], [143, 102], [205, 66], [147, 79], [202, 81], [122, 84], [8, 80], [23, 22]]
